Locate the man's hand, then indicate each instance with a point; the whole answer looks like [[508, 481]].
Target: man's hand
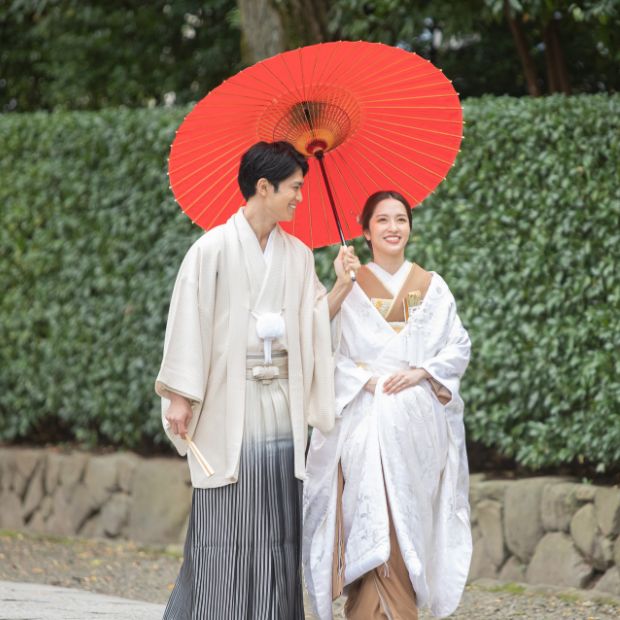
[[179, 414], [345, 263], [404, 379]]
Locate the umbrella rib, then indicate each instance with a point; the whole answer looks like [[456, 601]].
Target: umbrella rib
[[225, 187], [406, 88], [344, 181], [428, 189], [413, 98], [209, 155], [362, 168], [309, 219], [401, 125], [413, 162], [409, 148], [380, 73], [296, 91], [360, 66], [395, 78], [186, 152], [204, 179], [325, 218], [399, 134], [416, 107], [266, 66]]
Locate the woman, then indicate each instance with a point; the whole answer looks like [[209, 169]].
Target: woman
[[386, 510]]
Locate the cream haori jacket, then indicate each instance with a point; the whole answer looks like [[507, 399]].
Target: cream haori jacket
[[206, 341]]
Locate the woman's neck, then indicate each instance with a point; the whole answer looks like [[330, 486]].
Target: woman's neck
[[388, 263]]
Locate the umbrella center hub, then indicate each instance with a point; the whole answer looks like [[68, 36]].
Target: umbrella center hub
[[322, 120]]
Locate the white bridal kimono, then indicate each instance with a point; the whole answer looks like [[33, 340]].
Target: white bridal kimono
[[408, 446]]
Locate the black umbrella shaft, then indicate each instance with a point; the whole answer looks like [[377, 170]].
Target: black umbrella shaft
[[319, 156]]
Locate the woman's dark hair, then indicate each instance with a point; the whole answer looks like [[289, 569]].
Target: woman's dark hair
[[273, 161], [371, 204]]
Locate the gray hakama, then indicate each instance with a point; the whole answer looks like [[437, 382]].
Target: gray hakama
[[242, 557]]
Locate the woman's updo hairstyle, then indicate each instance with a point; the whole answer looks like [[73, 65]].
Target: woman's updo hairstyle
[[371, 204]]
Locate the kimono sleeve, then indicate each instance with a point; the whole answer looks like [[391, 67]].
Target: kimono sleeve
[[184, 369], [321, 398], [449, 363], [350, 378]]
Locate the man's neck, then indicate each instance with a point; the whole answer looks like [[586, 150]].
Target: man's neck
[[260, 222]]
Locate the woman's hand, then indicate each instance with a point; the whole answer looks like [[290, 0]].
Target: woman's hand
[[404, 379], [179, 414], [345, 263]]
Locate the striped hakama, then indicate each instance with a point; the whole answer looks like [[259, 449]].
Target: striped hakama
[[242, 556]]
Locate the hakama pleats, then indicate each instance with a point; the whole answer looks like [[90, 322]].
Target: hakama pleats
[[242, 557]]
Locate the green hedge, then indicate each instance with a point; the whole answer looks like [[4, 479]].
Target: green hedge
[[526, 230]]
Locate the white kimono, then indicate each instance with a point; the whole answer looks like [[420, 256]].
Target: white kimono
[[407, 445], [223, 282]]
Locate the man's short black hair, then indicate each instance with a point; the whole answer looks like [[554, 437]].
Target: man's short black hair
[[273, 161]]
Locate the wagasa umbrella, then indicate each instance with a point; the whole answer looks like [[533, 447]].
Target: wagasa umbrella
[[366, 115]]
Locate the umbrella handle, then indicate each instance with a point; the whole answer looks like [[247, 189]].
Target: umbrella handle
[[319, 154]]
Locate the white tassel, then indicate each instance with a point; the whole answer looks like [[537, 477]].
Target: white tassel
[[269, 326]]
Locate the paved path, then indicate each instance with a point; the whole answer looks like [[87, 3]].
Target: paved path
[[49, 568], [29, 601], [485, 600]]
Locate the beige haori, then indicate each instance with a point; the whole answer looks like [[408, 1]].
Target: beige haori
[[222, 286]]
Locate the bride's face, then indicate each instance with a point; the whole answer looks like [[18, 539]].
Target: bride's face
[[388, 229]]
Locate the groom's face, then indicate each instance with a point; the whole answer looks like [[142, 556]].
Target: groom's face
[[283, 202]]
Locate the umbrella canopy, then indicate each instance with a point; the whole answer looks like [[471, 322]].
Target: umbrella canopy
[[382, 117]]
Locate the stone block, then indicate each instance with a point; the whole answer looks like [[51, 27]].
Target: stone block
[[481, 564], [100, 477], [607, 508], [71, 508], [126, 466], [115, 514], [72, 469], [557, 561], [522, 516], [492, 489], [588, 538], [585, 492], [616, 553], [558, 505], [26, 461], [492, 530], [610, 581], [161, 501], [11, 514], [92, 527], [583, 529], [34, 494], [52, 471], [513, 570]]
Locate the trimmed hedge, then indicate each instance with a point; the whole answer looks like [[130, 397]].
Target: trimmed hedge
[[526, 230]]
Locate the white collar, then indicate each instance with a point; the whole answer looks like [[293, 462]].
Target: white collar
[[392, 281]]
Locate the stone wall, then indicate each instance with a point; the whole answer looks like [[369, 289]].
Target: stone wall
[[546, 530], [538, 530], [112, 496]]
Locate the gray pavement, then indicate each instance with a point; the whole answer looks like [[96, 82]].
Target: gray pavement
[[32, 601]]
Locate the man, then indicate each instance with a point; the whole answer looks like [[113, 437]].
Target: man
[[247, 366]]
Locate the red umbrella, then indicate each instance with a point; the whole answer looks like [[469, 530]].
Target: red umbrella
[[368, 116]]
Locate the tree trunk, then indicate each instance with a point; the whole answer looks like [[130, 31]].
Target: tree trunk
[[262, 30], [557, 73], [529, 70], [273, 26]]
